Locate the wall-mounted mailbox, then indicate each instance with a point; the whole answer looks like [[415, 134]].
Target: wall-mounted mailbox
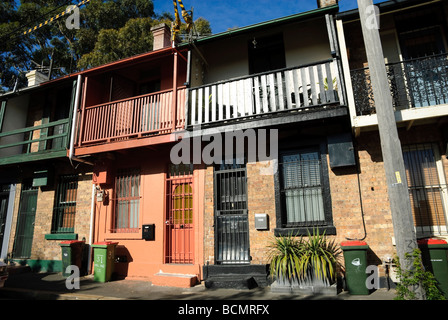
[[341, 151], [148, 232], [261, 221]]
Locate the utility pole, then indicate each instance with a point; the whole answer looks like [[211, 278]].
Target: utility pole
[[400, 204]]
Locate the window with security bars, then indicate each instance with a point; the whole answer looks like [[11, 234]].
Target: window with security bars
[[64, 209], [302, 189], [427, 187], [127, 201]]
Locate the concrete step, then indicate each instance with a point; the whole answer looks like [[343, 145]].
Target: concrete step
[[164, 279], [236, 276]]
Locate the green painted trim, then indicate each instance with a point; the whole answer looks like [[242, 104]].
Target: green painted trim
[[61, 236], [28, 129], [41, 265], [34, 156]]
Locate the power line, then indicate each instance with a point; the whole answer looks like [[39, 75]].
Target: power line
[[59, 15], [40, 17]]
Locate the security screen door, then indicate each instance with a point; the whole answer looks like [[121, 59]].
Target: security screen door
[[231, 220]]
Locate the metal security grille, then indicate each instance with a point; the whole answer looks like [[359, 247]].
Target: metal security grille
[[179, 220], [64, 210], [425, 189], [231, 221], [301, 189], [127, 201]]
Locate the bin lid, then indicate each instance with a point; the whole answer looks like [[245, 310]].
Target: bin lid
[[431, 241], [69, 242], [105, 243], [352, 243]]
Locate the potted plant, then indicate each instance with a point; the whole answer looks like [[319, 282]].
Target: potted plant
[[305, 266], [284, 259]]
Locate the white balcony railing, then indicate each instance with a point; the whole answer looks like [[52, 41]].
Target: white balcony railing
[[305, 86]]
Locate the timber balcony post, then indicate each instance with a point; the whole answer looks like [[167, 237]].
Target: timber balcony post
[[174, 96], [83, 107]]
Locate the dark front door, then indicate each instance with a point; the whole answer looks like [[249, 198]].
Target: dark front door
[[25, 223], [231, 221]]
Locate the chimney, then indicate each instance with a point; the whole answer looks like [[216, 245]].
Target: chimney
[[326, 3], [162, 36], [35, 77]]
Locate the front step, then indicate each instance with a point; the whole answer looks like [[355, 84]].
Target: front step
[[174, 280], [235, 276]]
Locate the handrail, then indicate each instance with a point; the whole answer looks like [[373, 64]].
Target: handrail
[[133, 98], [38, 127], [263, 73]]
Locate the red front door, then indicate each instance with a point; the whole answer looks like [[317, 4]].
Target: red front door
[[179, 222]]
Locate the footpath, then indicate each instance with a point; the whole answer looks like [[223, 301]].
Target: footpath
[[27, 285]]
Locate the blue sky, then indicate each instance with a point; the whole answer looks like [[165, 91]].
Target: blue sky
[[224, 14]]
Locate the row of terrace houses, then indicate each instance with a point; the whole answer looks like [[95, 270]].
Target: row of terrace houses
[[89, 156]]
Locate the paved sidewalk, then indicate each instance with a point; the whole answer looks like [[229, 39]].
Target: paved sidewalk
[[52, 286]]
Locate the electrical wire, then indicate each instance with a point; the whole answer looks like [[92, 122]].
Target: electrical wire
[[23, 26]]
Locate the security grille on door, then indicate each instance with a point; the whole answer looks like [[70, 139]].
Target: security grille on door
[[231, 221], [179, 219]]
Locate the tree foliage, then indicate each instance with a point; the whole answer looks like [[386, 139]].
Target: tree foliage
[[109, 30]]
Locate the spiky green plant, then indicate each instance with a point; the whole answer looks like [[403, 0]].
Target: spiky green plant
[[295, 258], [319, 256], [284, 256]]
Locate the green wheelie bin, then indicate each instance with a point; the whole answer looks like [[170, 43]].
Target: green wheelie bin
[[72, 253], [104, 259], [355, 257], [434, 258]]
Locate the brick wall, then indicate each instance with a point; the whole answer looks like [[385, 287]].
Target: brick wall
[[43, 249], [353, 196]]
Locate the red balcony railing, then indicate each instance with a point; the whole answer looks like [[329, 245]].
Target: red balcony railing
[[135, 117]]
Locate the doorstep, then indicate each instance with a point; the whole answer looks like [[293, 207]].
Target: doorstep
[[164, 279]]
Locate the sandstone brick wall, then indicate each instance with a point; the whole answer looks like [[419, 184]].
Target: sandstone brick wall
[[43, 249], [353, 198]]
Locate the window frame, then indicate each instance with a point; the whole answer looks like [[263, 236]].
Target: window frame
[[56, 218], [117, 231], [282, 228]]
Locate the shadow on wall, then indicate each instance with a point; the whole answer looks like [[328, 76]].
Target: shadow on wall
[[122, 260]]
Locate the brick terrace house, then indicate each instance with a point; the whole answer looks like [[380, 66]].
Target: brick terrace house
[[414, 43], [44, 199], [281, 77], [150, 208]]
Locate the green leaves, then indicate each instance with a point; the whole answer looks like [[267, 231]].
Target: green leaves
[[414, 277], [297, 258]]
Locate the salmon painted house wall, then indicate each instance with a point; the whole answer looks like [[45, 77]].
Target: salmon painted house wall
[[147, 259]]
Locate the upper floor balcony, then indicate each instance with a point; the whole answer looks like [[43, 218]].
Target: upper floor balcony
[[282, 71], [35, 124], [132, 118], [415, 83], [414, 47], [135, 102], [265, 94]]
